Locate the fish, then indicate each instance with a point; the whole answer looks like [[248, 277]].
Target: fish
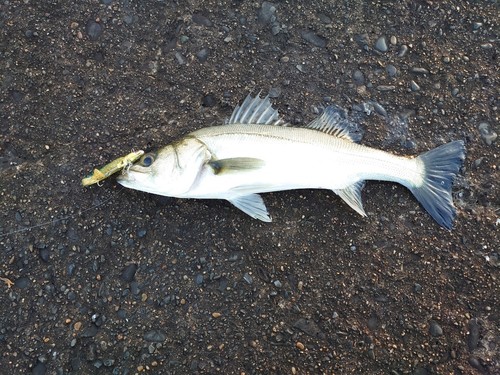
[[255, 151], [116, 165]]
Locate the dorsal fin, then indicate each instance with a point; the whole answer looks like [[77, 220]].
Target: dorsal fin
[[255, 111], [333, 121]]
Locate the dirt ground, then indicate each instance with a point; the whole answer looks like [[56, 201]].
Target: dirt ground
[[106, 280]]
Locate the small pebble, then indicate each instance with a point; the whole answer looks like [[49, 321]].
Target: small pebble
[[313, 38], [248, 278], [129, 19], [391, 70], [199, 279], [382, 112], [201, 20], [180, 59], [22, 282], [93, 30], [301, 68], [419, 70], [209, 101], [381, 44], [386, 88], [435, 329], [71, 296], [128, 272], [91, 331], [216, 315], [487, 134], [358, 77], [394, 40], [155, 335], [414, 86], [276, 29], [70, 269], [44, 254], [108, 362], [39, 369], [274, 92], [202, 55], [474, 362], [324, 18], [474, 335], [267, 12], [403, 50]]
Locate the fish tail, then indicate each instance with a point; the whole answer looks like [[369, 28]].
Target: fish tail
[[439, 168]]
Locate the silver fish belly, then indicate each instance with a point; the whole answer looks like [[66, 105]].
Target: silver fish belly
[[256, 152]]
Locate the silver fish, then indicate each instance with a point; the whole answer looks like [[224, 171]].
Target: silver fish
[[255, 151]]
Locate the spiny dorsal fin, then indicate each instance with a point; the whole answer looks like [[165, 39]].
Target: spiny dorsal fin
[[352, 196], [255, 111], [333, 121]]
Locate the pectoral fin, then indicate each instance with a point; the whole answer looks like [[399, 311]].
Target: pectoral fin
[[352, 196], [252, 205], [235, 165]]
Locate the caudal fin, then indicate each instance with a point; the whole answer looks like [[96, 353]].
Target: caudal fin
[[440, 166]]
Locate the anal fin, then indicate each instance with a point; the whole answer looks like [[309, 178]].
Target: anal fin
[[252, 205], [352, 196]]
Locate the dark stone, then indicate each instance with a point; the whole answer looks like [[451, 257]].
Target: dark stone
[[93, 30], [155, 335], [201, 20], [128, 273], [474, 333], [208, 101], [90, 331], [44, 254], [267, 12], [202, 55], [39, 369], [308, 326], [313, 38], [22, 283], [435, 329]]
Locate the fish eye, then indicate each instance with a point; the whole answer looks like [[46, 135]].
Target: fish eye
[[147, 160]]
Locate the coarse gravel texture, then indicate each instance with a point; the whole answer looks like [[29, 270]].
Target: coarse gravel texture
[[107, 280]]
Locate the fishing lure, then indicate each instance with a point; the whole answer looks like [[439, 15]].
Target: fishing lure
[[113, 167]]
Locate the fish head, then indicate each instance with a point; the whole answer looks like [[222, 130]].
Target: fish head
[[171, 171]]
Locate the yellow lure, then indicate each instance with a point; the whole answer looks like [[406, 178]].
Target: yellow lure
[[113, 167]]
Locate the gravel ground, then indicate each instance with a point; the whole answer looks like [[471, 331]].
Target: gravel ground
[[105, 280]]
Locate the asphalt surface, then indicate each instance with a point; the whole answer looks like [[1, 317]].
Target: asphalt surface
[[106, 280]]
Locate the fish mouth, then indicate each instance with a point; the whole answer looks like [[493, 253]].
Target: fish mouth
[[125, 179], [137, 168], [129, 175], [134, 177]]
